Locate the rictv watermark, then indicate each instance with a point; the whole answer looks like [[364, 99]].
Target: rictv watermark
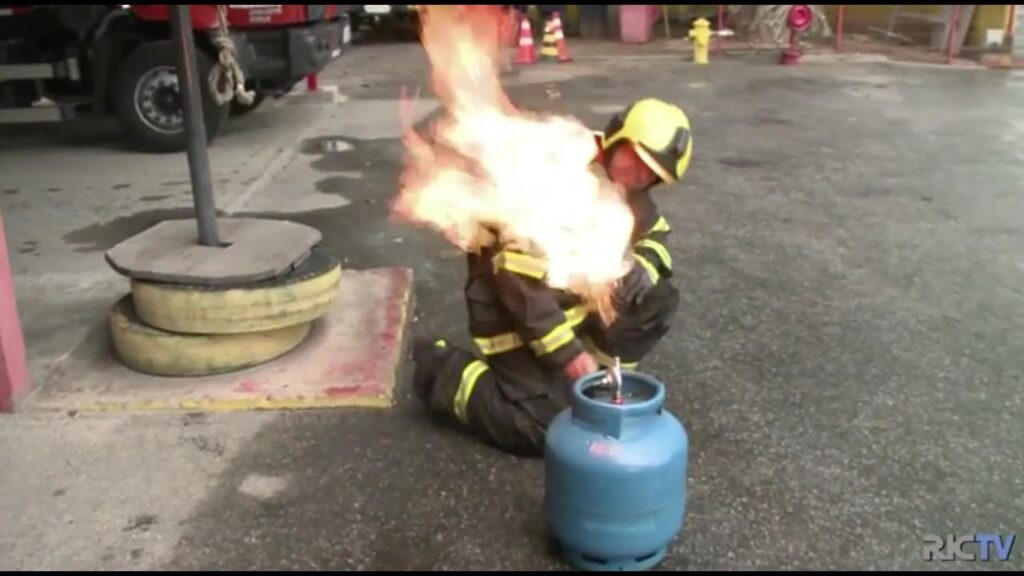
[[969, 547]]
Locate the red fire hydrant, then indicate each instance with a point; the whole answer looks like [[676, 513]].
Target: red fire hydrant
[[798, 20]]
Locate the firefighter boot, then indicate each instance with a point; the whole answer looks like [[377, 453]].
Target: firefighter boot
[[427, 356]]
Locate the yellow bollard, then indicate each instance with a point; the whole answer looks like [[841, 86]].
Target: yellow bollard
[[701, 36]]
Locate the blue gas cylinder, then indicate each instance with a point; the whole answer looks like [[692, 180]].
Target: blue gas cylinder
[[615, 474]]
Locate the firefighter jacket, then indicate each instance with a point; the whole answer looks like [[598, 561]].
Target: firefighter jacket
[[510, 306], [650, 232]]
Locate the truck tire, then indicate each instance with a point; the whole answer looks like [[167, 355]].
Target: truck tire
[[152, 351], [148, 103], [302, 295], [239, 109]]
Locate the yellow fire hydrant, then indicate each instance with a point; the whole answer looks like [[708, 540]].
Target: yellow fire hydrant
[[701, 36]]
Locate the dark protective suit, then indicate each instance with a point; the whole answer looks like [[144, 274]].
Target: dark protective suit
[[526, 332]]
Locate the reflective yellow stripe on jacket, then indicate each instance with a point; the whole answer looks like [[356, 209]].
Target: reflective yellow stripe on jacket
[[658, 249], [651, 270], [470, 375], [558, 336], [520, 263]]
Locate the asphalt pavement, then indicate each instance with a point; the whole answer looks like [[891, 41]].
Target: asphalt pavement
[[846, 358]]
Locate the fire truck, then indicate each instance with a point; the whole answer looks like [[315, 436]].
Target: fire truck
[[372, 14], [60, 62]]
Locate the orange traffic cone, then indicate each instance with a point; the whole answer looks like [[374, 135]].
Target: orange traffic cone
[[563, 50], [525, 54]]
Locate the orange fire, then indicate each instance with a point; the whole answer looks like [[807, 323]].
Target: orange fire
[[528, 176]]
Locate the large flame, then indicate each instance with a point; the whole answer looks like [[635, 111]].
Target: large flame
[[526, 176]]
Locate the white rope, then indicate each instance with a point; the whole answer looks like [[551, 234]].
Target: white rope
[[227, 81]]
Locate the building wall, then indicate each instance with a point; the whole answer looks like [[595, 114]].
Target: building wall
[[992, 16]]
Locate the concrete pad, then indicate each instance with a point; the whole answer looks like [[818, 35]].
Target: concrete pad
[[350, 358], [254, 249], [61, 218]]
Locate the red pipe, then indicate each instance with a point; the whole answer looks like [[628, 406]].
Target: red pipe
[[953, 25], [839, 28], [1012, 21], [14, 381]]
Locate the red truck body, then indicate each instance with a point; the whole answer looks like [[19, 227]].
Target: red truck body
[[114, 59], [204, 16]]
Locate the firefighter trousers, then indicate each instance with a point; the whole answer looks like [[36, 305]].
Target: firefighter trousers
[[512, 397]]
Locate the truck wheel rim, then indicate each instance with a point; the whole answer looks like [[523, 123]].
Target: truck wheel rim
[[158, 100]]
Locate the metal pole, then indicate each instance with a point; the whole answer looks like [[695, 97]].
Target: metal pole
[[195, 129], [954, 16], [839, 28]]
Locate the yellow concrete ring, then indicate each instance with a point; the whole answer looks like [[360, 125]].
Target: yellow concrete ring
[[152, 351], [302, 295]]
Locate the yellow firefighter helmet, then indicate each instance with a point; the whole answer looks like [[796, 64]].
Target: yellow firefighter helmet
[[660, 133]]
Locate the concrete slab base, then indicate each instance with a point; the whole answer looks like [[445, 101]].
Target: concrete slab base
[[351, 358], [255, 249]]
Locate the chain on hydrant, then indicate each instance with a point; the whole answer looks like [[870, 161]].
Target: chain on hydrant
[[701, 36]]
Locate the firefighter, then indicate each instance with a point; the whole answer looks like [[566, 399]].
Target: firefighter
[[534, 341]]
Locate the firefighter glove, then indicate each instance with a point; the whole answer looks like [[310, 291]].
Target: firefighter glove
[[634, 286]]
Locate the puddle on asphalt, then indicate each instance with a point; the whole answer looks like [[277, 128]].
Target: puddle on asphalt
[[325, 145], [335, 145], [333, 185], [104, 236]]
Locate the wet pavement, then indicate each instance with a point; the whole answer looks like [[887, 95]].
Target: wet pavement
[[846, 358]]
